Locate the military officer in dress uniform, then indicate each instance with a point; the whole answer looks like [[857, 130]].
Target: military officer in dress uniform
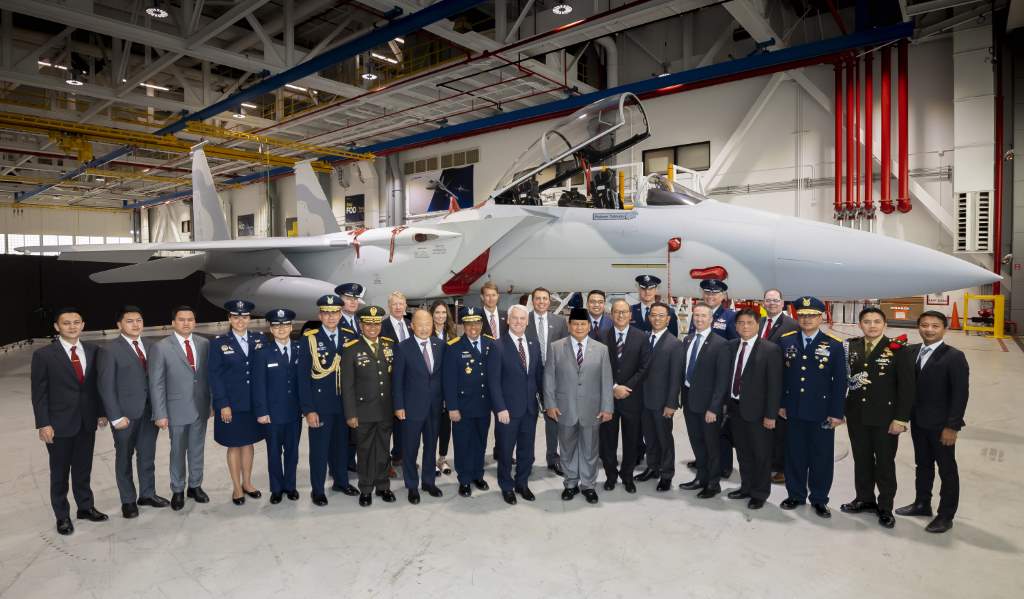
[[468, 398], [366, 392], [881, 393], [814, 390], [647, 289], [234, 423], [320, 400], [351, 296], [275, 394]]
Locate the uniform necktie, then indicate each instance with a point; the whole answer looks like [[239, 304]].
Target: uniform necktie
[[620, 345], [922, 356], [807, 341], [373, 349], [191, 357], [868, 347], [284, 353], [522, 354], [476, 346], [643, 312], [695, 349], [142, 356], [244, 342], [767, 328], [737, 377], [77, 365], [426, 355], [542, 336], [579, 354]]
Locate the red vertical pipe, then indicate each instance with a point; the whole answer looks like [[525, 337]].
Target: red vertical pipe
[[903, 197], [997, 209], [838, 67], [869, 109], [849, 139], [885, 203], [857, 181]]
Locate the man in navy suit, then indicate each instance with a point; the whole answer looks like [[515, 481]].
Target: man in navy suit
[[515, 375], [600, 323], [416, 391], [275, 396]]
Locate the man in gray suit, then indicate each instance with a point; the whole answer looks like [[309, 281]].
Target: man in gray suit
[[181, 401], [124, 388], [547, 328], [578, 396]]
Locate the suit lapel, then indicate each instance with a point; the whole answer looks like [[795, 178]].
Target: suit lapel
[[179, 351], [936, 355]]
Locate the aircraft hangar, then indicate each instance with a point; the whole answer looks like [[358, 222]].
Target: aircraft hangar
[[239, 173]]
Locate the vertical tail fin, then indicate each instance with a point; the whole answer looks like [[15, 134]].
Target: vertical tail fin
[[207, 215], [314, 212]]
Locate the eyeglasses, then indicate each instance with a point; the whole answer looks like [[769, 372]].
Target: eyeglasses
[[620, 311], [772, 301], [657, 315]]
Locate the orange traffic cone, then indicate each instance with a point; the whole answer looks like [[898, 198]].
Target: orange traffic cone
[[954, 320]]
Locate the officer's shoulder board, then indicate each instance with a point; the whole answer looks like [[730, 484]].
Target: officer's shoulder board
[[839, 339], [348, 330], [489, 336], [454, 340], [790, 333], [351, 342], [389, 339], [311, 332]]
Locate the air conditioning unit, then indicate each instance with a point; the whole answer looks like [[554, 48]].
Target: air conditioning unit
[[974, 222]]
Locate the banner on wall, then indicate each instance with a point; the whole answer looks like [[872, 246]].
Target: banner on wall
[[421, 199], [246, 225], [355, 209]]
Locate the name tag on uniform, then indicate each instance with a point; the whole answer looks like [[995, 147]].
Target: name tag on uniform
[[272, 365]]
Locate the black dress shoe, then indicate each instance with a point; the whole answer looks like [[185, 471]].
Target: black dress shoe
[[275, 498], [664, 485], [64, 526], [509, 497], [727, 473], [346, 489], [154, 501], [352, 468], [414, 496], [755, 504], [886, 519], [821, 510], [465, 490], [590, 495], [255, 493], [692, 464], [130, 510], [387, 495], [557, 469], [709, 492], [319, 500], [177, 501], [365, 499], [609, 485], [738, 494], [693, 485], [92, 515], [238, 500], [915, 509], [293, 495], [791, 504], [646, 475], [481, 484], [197, 494], [629, 486], [857, 506], [433, 491], [526, 493], [569, 492], [940, 524]]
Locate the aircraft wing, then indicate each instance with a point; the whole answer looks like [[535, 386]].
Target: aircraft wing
[[139, 252]]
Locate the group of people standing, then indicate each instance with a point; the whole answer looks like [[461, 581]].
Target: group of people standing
[[379, 391]]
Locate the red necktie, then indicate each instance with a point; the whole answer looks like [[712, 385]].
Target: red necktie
[[189, 355], [767, 328], [77, 365], [142, 357], [737, 377]]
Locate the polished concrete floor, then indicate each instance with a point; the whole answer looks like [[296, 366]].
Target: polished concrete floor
[[649, 544]]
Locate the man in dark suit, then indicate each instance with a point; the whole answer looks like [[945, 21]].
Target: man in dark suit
[[660, 392], [630, 355], [704, 387], [647, 289], [416, 389], [494, 321], [936, 418], [67, 410], [600, 323], [881, 392], [515, 376], [123, 385], [547, 328], [396, 329], [774, 325], [755, 393]]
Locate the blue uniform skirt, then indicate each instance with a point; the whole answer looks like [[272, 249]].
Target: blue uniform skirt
[[242, 430]]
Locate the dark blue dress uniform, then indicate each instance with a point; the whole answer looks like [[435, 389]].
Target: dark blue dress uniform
[[320, 391], [638, 318], [723, 321], [275, 393], [814, 389], [230, 374], [349, 325], [466, 390]]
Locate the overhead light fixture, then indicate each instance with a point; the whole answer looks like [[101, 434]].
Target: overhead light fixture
[[295, 87], [123, 80], [562, 8], [248, 105], [73, 79], [99, 180], [154, 86], [44, 63], [156, 11], [400, 40], [239, 114], [369, 76], [384, 58]]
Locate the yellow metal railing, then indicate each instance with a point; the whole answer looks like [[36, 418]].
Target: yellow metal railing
[[998, 315]]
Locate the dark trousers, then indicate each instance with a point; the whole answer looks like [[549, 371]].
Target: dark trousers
[[779, 445], [754, 451], [874, 463], [608, 444], [338, 470], [71, 456], [518, 436], [704, 439], [415, 432], [396, 439], [470, 435], [661, 447], [551, 440], [810, 460], [444, 433], [928, 452], [138, 440], [283, 454], [372, 445], [331, 434], [726, 443]]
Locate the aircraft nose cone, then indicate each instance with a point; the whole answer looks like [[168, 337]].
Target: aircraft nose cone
[[850, 264]]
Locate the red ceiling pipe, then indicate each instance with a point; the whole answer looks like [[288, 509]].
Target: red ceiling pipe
[[885, 185], [997, 212], [850, 65], [857, 181], [838, 68], [903, 191], [869, 109]]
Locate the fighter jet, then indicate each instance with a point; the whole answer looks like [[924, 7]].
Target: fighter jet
[[536, 229]]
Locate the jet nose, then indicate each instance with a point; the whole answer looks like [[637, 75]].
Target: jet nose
[[838, 263]]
